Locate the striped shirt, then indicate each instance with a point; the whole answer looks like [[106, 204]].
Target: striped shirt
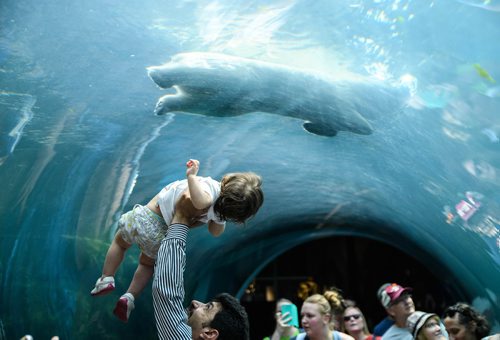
[[168, 286]]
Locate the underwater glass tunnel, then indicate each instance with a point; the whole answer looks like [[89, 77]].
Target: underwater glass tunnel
[[374, 126]]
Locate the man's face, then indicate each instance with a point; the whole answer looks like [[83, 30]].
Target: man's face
[[402, 307], [200, 314]]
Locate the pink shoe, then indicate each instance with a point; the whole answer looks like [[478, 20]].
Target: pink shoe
[[124, 306], [103, 286]]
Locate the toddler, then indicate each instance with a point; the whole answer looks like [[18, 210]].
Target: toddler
[[236, 198]]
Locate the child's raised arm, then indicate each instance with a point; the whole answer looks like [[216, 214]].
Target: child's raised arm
[[200, 198]]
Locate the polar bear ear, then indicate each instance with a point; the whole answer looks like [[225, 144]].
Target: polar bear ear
[[319, 129]]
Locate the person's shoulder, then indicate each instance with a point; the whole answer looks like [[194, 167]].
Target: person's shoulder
[[210, 180], [300, 336], [492, 337], [174, 186], [395, 332], [176, 183], [391, 329], [341, 336], [383, 326], [212, 185]]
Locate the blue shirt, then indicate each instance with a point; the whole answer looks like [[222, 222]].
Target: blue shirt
[[383, 326]]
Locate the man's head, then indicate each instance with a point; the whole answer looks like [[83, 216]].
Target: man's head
[[222, 318], [397, 302]]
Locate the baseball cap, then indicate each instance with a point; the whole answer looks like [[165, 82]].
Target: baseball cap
[[390, 293], [416, 320], [381, 290]]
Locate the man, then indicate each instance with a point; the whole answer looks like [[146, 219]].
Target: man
[[399, 305], [385, 324], [222, 318]]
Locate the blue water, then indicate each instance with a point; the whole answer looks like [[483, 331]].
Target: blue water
[[79, 144]]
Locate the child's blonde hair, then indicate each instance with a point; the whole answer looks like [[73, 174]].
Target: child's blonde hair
[[240, 197]]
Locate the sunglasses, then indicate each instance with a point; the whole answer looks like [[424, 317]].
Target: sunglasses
[[354, 316]]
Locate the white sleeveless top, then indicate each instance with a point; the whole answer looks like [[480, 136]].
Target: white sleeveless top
[[168, 196]]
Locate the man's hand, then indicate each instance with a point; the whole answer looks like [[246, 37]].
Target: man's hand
[[186, 213]]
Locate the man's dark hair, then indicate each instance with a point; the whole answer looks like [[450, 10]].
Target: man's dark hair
[[232, 320]]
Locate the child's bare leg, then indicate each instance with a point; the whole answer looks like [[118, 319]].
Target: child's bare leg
[[125, 305], [142, 275], [115, 255], [106, 283]]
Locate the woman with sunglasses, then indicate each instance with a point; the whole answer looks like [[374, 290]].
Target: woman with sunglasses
[[354, 322]]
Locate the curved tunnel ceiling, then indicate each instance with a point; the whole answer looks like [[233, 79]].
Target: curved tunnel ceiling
[[364, 118]]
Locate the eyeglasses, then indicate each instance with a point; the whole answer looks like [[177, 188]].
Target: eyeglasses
[[355, 316]]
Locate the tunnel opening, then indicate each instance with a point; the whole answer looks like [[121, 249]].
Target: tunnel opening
[[355, 265]]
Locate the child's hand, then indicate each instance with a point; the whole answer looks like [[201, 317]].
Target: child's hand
[[192, 167]]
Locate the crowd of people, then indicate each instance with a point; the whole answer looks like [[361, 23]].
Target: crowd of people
[[160, 229], [329, 316]]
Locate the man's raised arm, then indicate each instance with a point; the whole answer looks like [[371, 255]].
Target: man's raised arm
[[168, 283]]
